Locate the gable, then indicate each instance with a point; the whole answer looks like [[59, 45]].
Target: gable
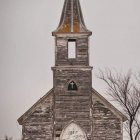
[[44, 104], [47, 100], [101, 101]]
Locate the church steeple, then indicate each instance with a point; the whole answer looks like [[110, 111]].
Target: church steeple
[[71, 19], [72, 74], [72, 37]]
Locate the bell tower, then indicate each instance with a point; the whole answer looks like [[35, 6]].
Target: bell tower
[[72, 74], [72, 33]]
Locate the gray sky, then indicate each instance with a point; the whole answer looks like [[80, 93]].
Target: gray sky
[[27, 48]]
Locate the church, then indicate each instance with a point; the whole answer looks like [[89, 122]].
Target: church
[[72, 109]]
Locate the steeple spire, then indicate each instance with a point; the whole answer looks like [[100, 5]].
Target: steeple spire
[[71, 19]]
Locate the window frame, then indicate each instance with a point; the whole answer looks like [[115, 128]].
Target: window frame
[[75, 48]]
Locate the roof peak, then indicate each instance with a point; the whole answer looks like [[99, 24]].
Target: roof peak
[[72, 18]]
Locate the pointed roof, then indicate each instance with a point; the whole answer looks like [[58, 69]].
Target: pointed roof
[[71, 19], [29, 112], [109, 105]]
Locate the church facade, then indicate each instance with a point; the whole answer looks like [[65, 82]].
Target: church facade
[[72, 109]]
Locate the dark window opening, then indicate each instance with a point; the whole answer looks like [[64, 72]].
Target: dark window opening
[[72, 86], [72, 48], [57, 135]]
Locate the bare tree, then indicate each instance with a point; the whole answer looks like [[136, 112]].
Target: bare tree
[[125, 90]]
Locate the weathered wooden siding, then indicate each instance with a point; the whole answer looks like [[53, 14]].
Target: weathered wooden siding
[[39, 126], [103, 123], [106, 125], [72, 105], [82, 57]]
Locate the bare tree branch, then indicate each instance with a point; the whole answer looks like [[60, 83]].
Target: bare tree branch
[[125, 90]]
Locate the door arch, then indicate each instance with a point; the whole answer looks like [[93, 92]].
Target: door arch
[[73, 132]]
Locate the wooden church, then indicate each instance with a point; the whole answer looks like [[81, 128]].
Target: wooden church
[[72, 109]]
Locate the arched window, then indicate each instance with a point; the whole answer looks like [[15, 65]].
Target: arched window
[[72, 86], [73, 132]]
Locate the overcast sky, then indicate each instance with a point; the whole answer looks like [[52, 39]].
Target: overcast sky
[[27, 49]]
